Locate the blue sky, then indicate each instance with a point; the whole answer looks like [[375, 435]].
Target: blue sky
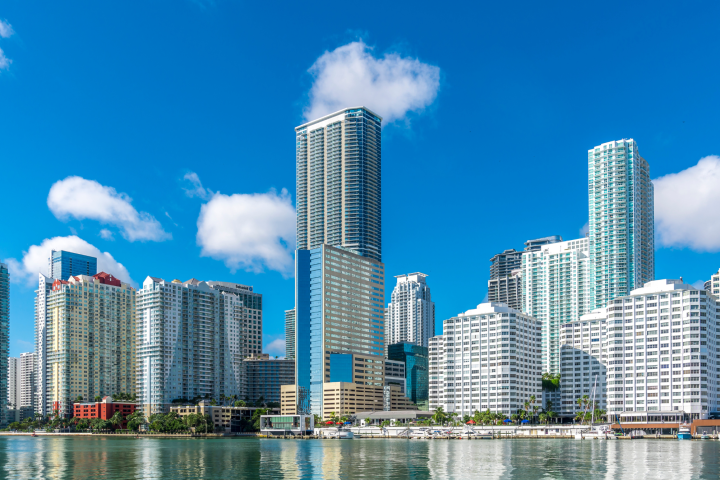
[[177, 119]]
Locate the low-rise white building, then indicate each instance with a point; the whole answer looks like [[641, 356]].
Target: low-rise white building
[[487, 358], [583, 357]]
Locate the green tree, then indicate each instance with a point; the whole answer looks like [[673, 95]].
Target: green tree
[[367, 422], [116, 419], [439, 416], [135, 420], [239, 403]]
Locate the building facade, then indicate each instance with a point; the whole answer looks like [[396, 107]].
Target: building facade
[[621, 220], [415, 359], [264, 376], [252, 316], [503, 264], [290, 333], [713, 285], [557, 288], [338, 182], [13, 393], [410, 315], [339, 309], [42, 320], [190, 343], [486, 358], [104, 409], [63, 265], [4, 340], [395, 374], [26, 387], [86, 337], [507, 290], [583, 362]]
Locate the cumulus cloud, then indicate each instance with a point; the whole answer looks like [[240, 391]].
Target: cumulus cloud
[[106, 234], [76, 197], [686, 207], [4, 61], [390, 85], [249, 231], [35, 260], [6, 29], [276, 347], [196, 189]]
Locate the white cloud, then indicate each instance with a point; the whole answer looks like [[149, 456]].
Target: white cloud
[[6, 29], [4, 61], [276, 347], [106, 234], [197, 189], [686, 207], [35, 260], [391, 86], [585, 229], [249, 231], [87, 199]]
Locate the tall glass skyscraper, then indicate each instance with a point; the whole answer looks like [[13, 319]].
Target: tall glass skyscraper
[[415, 358], [64, 265], [4, 339], [338, 182], [621, 234]]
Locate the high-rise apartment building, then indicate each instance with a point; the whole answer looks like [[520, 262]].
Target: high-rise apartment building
[[713, 285], [410, 315], [583, 362], [486, 358], [13, 394], [189, 341], [26, 367], [252, 313], [557, 288], [63, 265], [507, 290], [621, 220], [290, 333], [338, 182], [4, 339], [339, 310], [661, 352], [85, 335], [505, 284], [265, 375]]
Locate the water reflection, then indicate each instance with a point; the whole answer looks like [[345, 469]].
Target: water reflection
[[128, 458]]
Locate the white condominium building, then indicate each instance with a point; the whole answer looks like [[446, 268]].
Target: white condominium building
[[713, 285], [583, 362], [662, 351], [621, 220], [487, 358], [13, 393], [410, 315], [26, 387], [557, 288], [338, 182], [189, 343]]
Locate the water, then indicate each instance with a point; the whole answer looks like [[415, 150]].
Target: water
[[128, 458]]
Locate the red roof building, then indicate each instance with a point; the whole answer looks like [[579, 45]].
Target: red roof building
[[104, 410]]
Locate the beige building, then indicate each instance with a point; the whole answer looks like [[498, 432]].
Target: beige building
[[226, 419], [89, 340]]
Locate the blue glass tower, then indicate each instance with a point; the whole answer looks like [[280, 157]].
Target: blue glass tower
[[416, 370], [64, 265], [4, 339]]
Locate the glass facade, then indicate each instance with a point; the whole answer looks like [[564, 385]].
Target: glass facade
[[339, 309], [4, 339], [341, 367], [64, 265], [415, 358]]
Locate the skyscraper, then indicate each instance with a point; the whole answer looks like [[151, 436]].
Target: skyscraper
[[557, 289], [4, 339], [713, 285], [410, 315], [338, 182], [63, 265], [415, 359], [621, 225], [13, 395], [339, 311], [26, 373], [251, 313], [87, 339], [290, 333], [190, 348]]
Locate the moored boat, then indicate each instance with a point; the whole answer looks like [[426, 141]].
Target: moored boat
[[684, 432]]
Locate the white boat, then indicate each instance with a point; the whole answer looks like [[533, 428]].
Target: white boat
[[340, 434], [684, 432], [599, 432]]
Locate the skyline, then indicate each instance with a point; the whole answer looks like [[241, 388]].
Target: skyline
[[187, 175]]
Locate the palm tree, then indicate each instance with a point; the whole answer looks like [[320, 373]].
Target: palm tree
[[116, 419], [535, 410], [543, 418], [367, 422], [514, 417], [526, 406], [439, 416]]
